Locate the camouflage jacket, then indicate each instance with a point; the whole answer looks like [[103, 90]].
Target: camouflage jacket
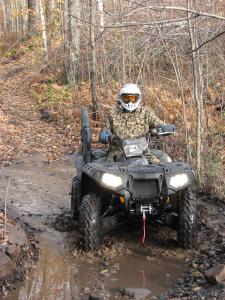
[[131, 124]]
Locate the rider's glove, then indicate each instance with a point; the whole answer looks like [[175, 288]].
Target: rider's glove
[[115, 140], [105, 136]]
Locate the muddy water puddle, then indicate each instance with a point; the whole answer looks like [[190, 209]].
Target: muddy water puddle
[[39, 191], [136, 271], [55, 276], [60, 276]]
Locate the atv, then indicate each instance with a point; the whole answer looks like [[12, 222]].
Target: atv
[[106, 194]]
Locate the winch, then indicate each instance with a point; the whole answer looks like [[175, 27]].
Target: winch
[[143, 208]]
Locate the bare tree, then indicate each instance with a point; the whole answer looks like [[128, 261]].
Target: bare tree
[[50, 6], [5, 16], [93, 59], [101, 10], [73, 44], [196, 79], [43, 30], [32, 20]]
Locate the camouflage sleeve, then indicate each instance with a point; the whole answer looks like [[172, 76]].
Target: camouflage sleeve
[[153, 120], [107, 124]]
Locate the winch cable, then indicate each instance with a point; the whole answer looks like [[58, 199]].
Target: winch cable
[[144, 228]]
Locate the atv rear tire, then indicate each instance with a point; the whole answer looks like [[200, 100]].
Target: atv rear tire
[[90, 222], [187, 220], [75, 198]]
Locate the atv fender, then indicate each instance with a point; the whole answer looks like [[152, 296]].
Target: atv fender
[[79, 163], [161, 155]]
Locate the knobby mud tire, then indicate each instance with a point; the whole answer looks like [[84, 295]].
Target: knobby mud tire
[[75, 195], [187, 224], [90, 222]]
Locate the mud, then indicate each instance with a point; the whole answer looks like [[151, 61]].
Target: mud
[[39, 191], [17, 251]]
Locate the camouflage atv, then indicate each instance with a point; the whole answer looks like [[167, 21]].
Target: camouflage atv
[[105, 194]]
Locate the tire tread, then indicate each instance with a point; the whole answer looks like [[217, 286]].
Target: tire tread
[[90, 231], [187, 235]]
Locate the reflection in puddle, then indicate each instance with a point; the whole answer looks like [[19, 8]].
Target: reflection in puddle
[[60, 276], [136, 271], [49, 279]]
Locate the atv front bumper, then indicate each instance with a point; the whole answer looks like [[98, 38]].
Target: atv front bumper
[[142, 182]]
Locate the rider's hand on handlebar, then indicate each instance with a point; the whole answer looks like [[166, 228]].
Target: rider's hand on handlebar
[[115, 140], [105, 136], [165, 129], [168, 128]]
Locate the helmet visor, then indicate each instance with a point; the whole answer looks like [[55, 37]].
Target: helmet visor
[[130, 98]]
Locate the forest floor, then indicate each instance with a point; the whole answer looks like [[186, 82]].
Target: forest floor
[[39, 115], [23, 131], [35, 181]]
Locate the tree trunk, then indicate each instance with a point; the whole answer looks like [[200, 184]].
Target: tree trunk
[[43, 30], [12, 16], [101, 11], [93, 59], [123, 46], [5, 16], [196, 87], [103, 65], [50, 6], [32, 20], [73, 37], [183, 98], [24, 19]]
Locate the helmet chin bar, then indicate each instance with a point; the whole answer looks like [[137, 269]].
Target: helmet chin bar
[[131, 106]]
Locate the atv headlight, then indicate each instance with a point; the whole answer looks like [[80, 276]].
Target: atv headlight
[[179, 180], [111, 180]]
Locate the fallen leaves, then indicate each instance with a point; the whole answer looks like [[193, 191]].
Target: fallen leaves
[[4, 224]]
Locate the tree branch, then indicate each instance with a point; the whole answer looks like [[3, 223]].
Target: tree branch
[[206, 42], [180, 8], [151, 23], [82, 20], [200, 13], [137, 24]]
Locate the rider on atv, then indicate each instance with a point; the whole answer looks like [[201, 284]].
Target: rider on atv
[[129, 120], [112, 187]]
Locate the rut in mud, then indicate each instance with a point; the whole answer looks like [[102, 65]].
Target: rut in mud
[[39, 191]]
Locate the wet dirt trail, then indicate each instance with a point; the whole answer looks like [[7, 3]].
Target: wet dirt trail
[[39, 192]]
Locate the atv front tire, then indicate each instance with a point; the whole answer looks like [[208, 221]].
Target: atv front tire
[[187, 220], [90, 222]]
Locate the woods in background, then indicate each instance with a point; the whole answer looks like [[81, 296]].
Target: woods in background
[[176, 46]]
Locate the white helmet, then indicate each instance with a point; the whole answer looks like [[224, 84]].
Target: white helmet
[[130, 96]]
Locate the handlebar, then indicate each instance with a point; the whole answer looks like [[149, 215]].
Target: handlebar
[[160, 130], [163, 130], [115, 140]]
